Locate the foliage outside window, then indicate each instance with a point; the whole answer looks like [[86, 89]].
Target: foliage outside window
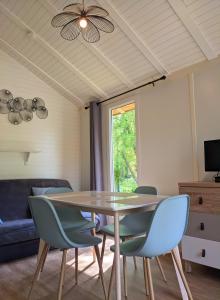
[[124, 149]]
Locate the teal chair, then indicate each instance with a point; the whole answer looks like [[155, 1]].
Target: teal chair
[[51, 231], [133, 225], [162, 235], [70, 218]]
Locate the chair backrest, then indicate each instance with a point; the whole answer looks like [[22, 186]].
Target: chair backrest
[[150, 190], [138, 221], [47, 223], [169, 223], [65, 212]]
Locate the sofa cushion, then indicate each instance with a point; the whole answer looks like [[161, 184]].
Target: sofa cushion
[[17, 231], [38, 191]]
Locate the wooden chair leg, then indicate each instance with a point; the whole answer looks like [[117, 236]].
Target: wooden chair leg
[[100, 269], [188, 266], [93, 250], [93, 232], [62, 272], [135, 262], [42, 267], [39, 266], [161, 269], [125, 276], [103, 247], [149, 277], [111, 278], [175, 260], [134, 257], [76, 265], [145, 277]]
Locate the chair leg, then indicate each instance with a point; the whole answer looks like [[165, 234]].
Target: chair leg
[[93, 250], [149, 277], [111, 278], [62, 272], [103, 247], [161, 269], [175, 260], [39, 266], [145, 277], [135, 262], [100, 269], [76, 265], [42, 267], [134, 258], [125, 276]]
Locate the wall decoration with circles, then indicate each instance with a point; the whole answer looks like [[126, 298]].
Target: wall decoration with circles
[[20, 109]]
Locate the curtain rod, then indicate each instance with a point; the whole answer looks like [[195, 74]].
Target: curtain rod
[[134, 89]]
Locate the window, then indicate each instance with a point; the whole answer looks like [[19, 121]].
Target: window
[[124, 163]]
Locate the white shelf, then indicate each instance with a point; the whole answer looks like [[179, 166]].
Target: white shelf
[[18, 149]]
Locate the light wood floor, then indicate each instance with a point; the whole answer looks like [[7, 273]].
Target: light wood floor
[[15, 279]]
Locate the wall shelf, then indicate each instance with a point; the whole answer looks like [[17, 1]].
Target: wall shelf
[[18, 149]]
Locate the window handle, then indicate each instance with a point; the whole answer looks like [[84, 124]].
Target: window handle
[[203, 253]]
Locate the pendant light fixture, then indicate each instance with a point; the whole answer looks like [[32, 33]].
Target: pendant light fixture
[[76, 19]]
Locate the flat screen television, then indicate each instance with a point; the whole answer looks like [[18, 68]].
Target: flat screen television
[[212, 155]]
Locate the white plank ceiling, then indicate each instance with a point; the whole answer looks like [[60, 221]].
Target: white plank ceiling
[[151, 38]]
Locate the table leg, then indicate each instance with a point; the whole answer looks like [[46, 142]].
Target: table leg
[[181, 285], [40, 249], [117, 258]]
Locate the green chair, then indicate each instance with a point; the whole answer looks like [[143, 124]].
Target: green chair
[[70, 218], [133, 225], [162, 235], [50, 230]]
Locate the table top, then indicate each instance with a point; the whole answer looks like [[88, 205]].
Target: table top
[[108, 203]]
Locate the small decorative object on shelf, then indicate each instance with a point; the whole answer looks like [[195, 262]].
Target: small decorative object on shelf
[[20, 109]]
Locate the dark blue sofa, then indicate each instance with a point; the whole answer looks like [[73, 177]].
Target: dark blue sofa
[[18, 237]]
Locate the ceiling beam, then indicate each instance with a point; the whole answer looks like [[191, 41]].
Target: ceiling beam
[[54, 52], [182, 12], [133, 36], [95, 50], [14, 53]]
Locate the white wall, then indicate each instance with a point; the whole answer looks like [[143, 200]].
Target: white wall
[[58, 136], [164, 141], [168, 131]]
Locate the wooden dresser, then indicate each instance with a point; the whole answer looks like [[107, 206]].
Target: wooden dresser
[[201, 244]]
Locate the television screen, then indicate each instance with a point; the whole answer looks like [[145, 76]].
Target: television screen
[[212, 155]]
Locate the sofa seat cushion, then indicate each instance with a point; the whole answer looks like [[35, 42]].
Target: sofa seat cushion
[[17, 231]]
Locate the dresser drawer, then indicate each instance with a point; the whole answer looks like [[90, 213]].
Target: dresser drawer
[[205, 196], [205, 202], [201, 251], [204, 226]]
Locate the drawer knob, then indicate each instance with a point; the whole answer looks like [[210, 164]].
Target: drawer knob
[[202, 226], [203, 253], [200, 200]]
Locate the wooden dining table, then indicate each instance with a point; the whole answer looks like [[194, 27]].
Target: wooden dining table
[[115, 205]]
